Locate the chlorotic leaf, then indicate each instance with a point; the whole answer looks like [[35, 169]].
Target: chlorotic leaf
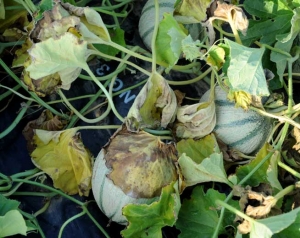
[[245, 72], [147, 220], [190, 48], [198, 216], [192, 11], [64, 158], [66, 55]]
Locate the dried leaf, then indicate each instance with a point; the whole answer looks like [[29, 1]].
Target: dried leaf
[[296, 135], [65, 159], [154, 107], [228, 13], [196, 120], [42, 86], [45, 121]]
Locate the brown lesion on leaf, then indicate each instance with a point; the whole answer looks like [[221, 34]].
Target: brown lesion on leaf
[[141, 165], [46, 121]]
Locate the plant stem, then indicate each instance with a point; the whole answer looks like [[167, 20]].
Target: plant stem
[[123, 61], [16, 121], [50, 189], [194, 80], [43, 209], [289, 169], [33, 95], [109, 98], [34, 221], [105, 77], [68, 221], [95, 222], [98, 127], [284, 192], [13, 90], [234, 210]]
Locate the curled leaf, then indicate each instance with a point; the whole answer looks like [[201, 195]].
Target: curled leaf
[[65, 159], [91, 26], [230, 13], [154, 107], [196, 120]]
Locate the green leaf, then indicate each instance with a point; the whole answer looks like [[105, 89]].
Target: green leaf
[[291, 231], [274, 19], [198, 150], [12, 223], [285, 43], [198, 216], [265, 228], [190, 48], [44, 5], [147, 220], [245, 72], [117, 36], [210, 169], [272, 172], [168, 41], [6, 205], [260, 176], [66, 55]]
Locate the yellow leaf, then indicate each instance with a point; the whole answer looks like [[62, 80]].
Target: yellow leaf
[[65, 159]]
